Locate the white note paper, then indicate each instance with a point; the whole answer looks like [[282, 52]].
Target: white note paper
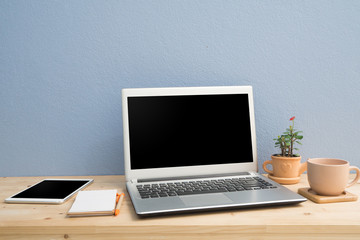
[[97, 202]]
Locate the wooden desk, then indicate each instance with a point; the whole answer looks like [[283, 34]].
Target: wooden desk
[[306, 220]]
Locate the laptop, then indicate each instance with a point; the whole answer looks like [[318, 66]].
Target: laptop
[[194, 149]]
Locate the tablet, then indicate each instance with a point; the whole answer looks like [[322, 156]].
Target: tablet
[[53, 191]]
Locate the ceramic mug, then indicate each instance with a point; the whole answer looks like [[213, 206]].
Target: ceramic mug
[[330, 176], [285, 167]]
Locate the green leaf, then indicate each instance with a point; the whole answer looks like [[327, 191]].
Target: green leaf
[[299, 137], [299, 142]]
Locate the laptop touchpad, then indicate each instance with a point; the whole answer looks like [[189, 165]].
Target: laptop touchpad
[[204, 200]]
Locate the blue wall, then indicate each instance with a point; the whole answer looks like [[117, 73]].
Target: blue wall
[[63, 65]]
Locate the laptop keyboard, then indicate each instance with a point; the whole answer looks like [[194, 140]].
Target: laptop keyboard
[[202, 187]]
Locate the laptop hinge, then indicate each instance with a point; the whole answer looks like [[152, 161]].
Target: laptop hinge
[[191, 177], [133, 181]]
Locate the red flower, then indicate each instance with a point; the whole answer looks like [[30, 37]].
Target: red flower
[[292, 118]]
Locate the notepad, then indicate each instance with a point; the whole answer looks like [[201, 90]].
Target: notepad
[[94, 203]]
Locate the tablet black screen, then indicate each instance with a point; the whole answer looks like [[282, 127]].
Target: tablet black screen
[[52, 189]]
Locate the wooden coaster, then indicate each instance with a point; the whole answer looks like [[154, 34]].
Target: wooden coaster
[[310, 194]]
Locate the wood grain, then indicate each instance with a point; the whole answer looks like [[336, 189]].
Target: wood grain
[[306, 220]]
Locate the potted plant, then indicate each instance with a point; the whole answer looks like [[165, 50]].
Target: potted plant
[[287, 166]]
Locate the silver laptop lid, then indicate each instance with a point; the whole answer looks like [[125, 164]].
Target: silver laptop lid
[[188, 131]]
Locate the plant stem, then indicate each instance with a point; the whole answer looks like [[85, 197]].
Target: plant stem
[[292, 139]]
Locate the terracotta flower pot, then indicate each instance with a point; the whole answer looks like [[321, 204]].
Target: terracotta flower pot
[[286, 170]]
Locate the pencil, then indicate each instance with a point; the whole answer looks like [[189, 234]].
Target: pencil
[[120, 198]]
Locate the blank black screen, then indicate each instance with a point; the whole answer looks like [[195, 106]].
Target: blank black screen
[[51, 189], [174, 131]]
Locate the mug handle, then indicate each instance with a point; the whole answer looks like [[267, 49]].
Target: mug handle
[[270, 162], [357, 176]]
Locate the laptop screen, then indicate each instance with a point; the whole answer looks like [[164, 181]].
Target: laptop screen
[[189, 130]]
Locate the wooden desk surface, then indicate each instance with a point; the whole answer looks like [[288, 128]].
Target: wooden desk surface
[[308, 219]]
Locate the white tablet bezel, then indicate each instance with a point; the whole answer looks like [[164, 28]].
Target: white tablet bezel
[[48, 200]]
